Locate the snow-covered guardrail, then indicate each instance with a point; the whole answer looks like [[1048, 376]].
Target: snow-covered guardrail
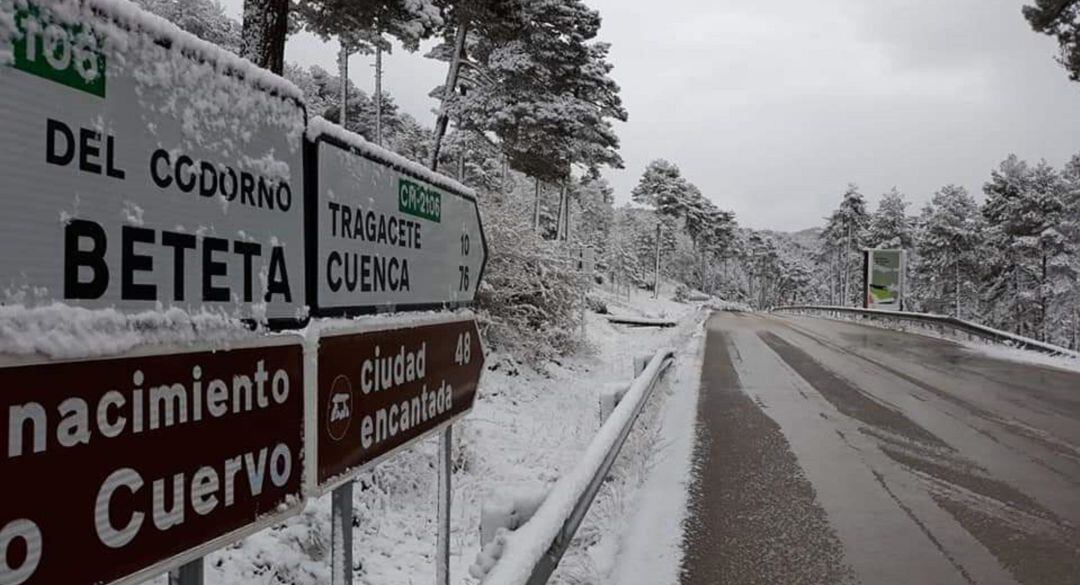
[[940, 322], [530, 554]]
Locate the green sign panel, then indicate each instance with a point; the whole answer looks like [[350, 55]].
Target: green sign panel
[[419, 201], [66, 54], [884, 279]]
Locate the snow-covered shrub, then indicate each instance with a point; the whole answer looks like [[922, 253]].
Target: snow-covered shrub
[[596, 305], [530, 298]]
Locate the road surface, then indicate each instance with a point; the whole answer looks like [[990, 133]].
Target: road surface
[[832, 452]]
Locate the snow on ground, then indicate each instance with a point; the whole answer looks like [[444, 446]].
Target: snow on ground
[[545, 429], [651, 549], [529, 427], [1024, 356]]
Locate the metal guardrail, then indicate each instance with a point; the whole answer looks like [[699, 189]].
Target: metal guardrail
[[939, 321], [608, 444]]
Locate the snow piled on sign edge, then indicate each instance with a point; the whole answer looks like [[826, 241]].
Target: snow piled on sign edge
[[128, 14], [319, 126], [62, 331]]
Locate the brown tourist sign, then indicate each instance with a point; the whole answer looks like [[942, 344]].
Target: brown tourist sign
[[117, 469], [381, 389]]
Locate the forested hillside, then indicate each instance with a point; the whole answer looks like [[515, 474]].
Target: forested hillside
[[1009, 261]]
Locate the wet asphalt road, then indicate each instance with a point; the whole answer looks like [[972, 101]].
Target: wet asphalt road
[[831, 452]]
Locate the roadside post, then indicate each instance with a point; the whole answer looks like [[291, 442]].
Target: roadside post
[[341, 519], [187, 574], [586, 267]]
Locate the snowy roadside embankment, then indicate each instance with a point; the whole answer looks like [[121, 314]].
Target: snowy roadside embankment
[[524, 547]]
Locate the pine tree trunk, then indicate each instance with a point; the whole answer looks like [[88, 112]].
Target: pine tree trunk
[[559, 216], [1016, 300], [443, 120], [378, 95], [1042, 301], [847, 268], [461, 159], [536, 207], [956, 267], [566, 222], [343, 73], [701, 255], [562, 219], [656, 275], [266, 23], [1075, 329]]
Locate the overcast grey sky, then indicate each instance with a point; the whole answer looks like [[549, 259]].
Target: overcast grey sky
[[771, 108]]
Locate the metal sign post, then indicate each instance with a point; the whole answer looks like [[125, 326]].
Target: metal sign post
[[341, 533], [187, 574], [442, 547]]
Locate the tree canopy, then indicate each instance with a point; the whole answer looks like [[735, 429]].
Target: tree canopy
[[1061, 20]]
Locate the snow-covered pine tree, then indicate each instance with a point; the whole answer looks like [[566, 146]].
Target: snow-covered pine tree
[[205, 19], [663, 188], [949, 243], [597, 211], [890, 226], [1023, 208], [265, 26], [533, 77], [1067, 314], [842, 239], [366, 28]]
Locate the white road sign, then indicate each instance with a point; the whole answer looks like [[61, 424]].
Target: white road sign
[[143, 168], [386, 233]]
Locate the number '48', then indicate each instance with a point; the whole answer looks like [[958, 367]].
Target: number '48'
[[464, 348]]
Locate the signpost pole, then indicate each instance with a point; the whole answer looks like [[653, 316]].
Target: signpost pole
[[656, 274], [341, 518], [187, 574], [442, 559]]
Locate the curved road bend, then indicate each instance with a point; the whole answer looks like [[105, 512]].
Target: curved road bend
[[832, 452]]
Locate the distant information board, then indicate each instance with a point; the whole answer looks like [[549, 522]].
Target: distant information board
[[115, 469], [134, 176], [388, 239], [885, 279]]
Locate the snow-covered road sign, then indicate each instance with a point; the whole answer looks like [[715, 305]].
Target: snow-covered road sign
[[379, 389], [144, 167], [385, 233], [117, 469]]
